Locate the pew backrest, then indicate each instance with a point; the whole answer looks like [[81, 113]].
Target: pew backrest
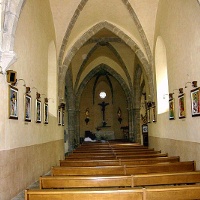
[[172, 192], [108, 194], [125, 170], [58, 182], [166, 178]]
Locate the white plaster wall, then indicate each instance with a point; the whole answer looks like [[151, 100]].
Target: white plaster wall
[[178, 23], [34, 33]]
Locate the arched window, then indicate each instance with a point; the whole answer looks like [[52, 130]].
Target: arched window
[[161, 76]]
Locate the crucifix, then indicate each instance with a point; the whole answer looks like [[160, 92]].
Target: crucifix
[[103, 105]]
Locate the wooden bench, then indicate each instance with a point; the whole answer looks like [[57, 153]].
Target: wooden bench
[[160, 167], [124, 170], [58, 182], [102, 170], [111, 154], [88, 163], [111, 150], [117, 157], [150, 160], [83, 194], [93, 163], [153, 193], [166, 178], [172, 192]]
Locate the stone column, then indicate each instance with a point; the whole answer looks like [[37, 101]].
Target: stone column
[[130, 124], [77, 127], [136, 125], [71, 129]]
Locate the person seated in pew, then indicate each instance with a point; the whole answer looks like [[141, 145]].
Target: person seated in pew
[[88, 139]]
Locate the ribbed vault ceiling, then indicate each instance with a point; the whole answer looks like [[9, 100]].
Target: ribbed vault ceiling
[[112, 32]]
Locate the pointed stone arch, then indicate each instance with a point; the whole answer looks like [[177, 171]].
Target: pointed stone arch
[[76, 15], [89, 76], [114, 51], [87, 35], [109, 69]]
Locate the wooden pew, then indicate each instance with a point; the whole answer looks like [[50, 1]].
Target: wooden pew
[[160, 167], [99, 150], [117, 157], [151, 160], [124, 170], [58, 182], [140, 161], [83, 194], [166, 178], [102, 170], [172, 192], [114, 152], [88, 163]]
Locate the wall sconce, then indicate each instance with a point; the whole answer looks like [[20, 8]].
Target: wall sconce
[[87, 118], [28, 90], [11, 76], [194, 84], [119, 113], [149, 104], [171, 95], [180, 90], [46, 100], [37, 95], [62, 105]]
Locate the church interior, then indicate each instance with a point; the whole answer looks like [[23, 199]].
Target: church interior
[[112, 71]]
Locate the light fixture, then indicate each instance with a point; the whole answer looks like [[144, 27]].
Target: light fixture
[[180, 90], [194, 84], [11, 76], [102, 95], [171, 95], [37, 95], [28, 90]]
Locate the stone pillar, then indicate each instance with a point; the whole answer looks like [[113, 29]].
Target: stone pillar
[[71, 129], [130, 124], [136, 125], [77, 127]]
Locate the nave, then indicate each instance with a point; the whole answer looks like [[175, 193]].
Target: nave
[[114, 170]]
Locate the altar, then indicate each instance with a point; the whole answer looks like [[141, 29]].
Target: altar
[[104, 135]]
